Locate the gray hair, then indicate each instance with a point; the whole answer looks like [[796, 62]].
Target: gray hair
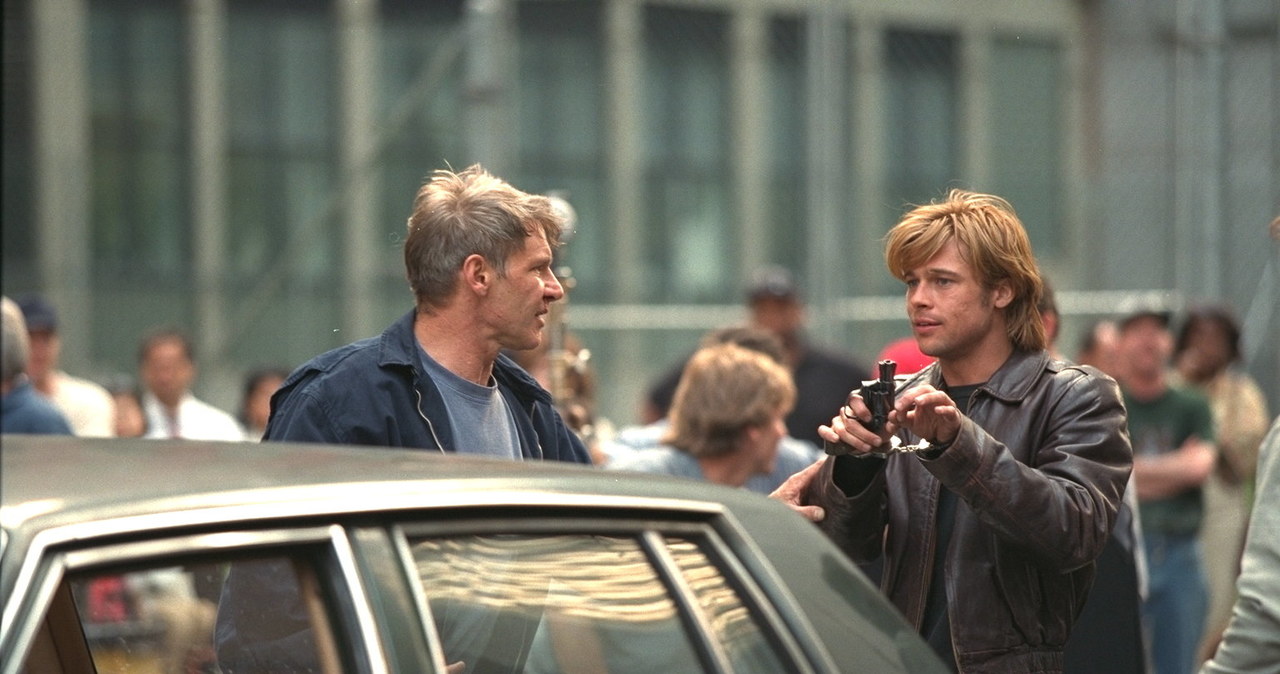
[[16, 348], [469, 213]]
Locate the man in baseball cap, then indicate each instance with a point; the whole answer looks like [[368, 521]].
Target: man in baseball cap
[[86, 405]]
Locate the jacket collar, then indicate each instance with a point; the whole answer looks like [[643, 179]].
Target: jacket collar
[[397, 347], [397, 343], [1012, 382]]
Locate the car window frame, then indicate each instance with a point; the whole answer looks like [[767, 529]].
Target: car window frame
[[325, 547], [650, 527]]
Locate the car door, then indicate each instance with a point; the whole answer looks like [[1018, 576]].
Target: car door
[[545, 585], [155, 604], [556, 591]]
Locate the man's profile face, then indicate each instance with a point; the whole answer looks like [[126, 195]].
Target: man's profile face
[[45, 347], [769, 436], [167, 371], [952, 315], [518, 301]]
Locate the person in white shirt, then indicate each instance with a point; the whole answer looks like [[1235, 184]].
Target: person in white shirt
[[167, 369], [87, 406]]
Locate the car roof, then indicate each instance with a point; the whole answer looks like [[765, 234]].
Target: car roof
[[66, 490], [51, 481]]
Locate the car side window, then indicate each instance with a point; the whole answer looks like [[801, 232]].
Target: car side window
[[176, 619], [547, 604], [734, 626]]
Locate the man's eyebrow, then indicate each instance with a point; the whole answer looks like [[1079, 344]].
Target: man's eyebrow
[[932, 271], [941, 271]]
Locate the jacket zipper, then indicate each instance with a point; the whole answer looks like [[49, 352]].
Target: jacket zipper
[[431, 427], [537, 443]]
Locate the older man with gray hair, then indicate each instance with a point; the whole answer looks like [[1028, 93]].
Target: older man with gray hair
[[24, 411]]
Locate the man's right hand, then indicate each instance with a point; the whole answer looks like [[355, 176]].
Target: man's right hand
[[793, 490], [848, 432]]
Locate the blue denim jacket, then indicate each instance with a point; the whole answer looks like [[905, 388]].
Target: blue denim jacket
[[372, 392]]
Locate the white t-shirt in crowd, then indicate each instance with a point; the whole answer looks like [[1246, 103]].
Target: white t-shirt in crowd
[[87, 406], [196, 420]]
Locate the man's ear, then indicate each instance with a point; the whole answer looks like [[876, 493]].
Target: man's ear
[[1002, 294], [476, 273]]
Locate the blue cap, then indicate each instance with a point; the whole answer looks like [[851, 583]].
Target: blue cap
[[39, 314]]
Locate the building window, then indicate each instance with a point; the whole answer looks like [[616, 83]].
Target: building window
[[562, 127], [1026, 156], [921, 82], [787, 142], [687, 140], [140, 152], [281, 90]]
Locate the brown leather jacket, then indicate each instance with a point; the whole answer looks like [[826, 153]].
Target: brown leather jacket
[[1041, 464]]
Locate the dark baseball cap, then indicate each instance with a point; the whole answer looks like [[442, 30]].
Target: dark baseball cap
[[39, 314], [1144, 308], [772, 282]]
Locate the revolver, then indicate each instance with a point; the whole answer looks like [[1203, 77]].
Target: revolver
[[878, 395]]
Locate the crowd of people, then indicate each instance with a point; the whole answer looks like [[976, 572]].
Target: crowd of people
[[1007, 479], [156, 403]]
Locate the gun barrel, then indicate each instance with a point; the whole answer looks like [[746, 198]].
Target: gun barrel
[[887, 369]]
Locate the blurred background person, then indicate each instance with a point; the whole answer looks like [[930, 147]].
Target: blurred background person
[[1098, 346], [569, 376], [727, 419], [1051, 318], [822, 378], [167, 368], [1171, 430], [1205, 355], [255, 406], [793, 454], [1108, 636], [22, 410], [129, 421], [86, 405]]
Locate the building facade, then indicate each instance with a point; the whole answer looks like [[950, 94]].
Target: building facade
[[244, 168]]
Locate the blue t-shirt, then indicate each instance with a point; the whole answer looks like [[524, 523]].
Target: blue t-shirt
[[661, 460], [482, 424]]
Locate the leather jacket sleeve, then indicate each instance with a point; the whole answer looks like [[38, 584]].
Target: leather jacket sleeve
[[1060, 506], [852, 491], [1044, 472]]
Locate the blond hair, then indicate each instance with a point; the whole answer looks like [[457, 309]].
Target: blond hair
[[724, 390], [991, 239], [16, 347]]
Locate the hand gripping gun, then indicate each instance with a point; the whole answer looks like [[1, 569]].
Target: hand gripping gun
[[878, 395]]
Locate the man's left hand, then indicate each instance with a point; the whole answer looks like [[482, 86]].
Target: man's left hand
[[928, 413]]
